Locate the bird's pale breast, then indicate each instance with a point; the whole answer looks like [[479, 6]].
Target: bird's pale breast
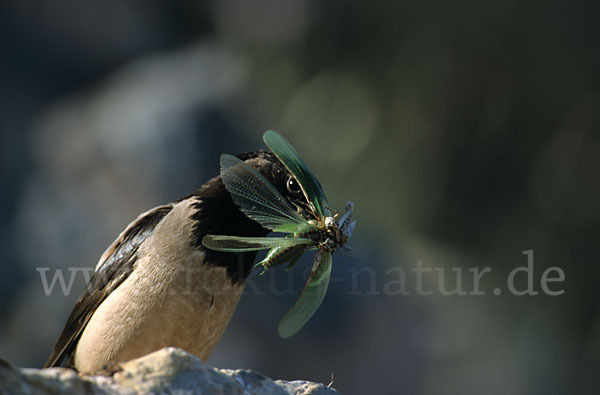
[[171, 298]]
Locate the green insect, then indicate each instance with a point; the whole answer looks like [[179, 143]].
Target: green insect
[[260, 201]]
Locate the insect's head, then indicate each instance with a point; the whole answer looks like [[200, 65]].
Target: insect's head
[[337, 229]]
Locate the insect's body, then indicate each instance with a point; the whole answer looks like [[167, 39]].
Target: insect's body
[[329, 236], [280, 255]]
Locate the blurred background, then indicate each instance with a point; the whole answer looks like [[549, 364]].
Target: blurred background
[[465, 133]]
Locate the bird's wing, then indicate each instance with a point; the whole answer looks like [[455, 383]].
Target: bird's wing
[[114, 267]]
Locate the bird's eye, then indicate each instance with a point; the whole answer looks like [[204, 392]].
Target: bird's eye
[[292, 185]]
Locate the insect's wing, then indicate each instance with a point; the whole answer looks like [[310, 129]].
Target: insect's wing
[[243, 244], [258, 199], [294, 163], [311, 298]]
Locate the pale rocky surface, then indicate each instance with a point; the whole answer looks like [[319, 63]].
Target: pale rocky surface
[[169, 370]]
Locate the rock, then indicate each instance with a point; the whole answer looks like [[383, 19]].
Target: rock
[[169, 370]]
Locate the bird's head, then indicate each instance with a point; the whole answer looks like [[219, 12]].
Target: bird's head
[[216, 213], [267, 164]]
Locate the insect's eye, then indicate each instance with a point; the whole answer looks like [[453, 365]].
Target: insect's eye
[[292, 185]]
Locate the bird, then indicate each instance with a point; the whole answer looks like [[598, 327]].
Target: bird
[[157, 286]]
